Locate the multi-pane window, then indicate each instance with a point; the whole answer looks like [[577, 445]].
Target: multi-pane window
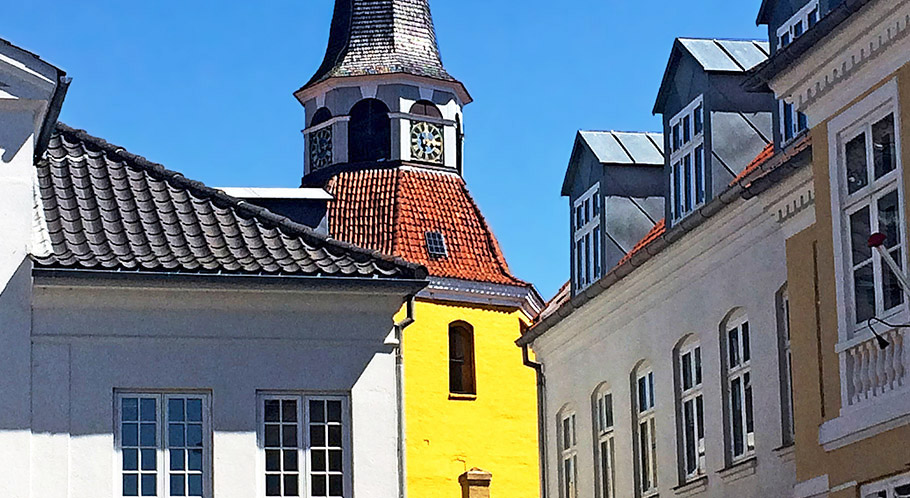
[[606, 444], [871, 202], [792, 122], [738, 364], [303, 439], [568, 456], [786, 366], [645, 433], [805, 19], [692, 410], [587, 238], [163, 441], [687, 160]]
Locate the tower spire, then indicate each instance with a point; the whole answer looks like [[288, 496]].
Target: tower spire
[[381, 37]]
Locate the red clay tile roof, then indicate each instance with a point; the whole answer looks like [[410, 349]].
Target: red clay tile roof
[[763, 156], [391, 210], [659, 229]]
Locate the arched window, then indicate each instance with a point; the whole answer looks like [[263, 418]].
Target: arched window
[[369, 131], [736, 357], [426, 108], [461, 359], [645, 439], [605, 442], [691, 408], [568, 452], [321, 115]]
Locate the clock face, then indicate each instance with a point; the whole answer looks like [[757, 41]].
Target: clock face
[[321, 148], [426, 142]]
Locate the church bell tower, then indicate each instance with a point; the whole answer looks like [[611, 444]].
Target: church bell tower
[[382, 94]]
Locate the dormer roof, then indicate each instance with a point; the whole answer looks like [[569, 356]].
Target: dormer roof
[[370, 37], [714, 56], [618, 148]]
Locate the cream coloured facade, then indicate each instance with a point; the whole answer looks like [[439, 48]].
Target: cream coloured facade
[[851, 390]]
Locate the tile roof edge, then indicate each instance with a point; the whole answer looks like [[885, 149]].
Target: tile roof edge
[[740, 190], [198, 188]]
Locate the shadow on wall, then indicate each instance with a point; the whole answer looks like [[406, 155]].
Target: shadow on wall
[[13, 138], [15, 341]]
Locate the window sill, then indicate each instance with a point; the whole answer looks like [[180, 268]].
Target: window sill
[[739, 470], [462, 397], [785, 452], [693, 486], [650, 494]]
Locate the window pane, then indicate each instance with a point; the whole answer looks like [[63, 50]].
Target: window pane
[[588, 253], [747, 383], [148, 411], [273, 485], [130, 485], [864, 293], [788, 121], [700, 416], [645, 448], [802, 121], [651, 390], [747, 346], [736, 407], [857, 167], [883, 146], [130, 409], [579, 263], [698, 366], [642, 395], [686, 130], [797, 30], [178, 485], [676, 137], [733, 346], [689, 435], [195, 485], [687, 371], [699, 175], [677, 191], [596, 251], [893, 292], [860, 230], [688, 185], [889, 219], [149, 485], [698, 120], [291, 485], [813, 18]]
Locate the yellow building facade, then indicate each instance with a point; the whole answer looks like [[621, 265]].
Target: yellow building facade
[[850, 347], [448, 434]]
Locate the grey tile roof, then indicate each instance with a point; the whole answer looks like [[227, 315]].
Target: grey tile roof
[[616, 147], [381, 37], [106, 209]]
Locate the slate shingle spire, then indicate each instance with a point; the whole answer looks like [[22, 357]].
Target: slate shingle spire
[[381, 37]]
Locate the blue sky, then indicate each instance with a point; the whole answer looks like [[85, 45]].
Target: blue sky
[[205, 86]]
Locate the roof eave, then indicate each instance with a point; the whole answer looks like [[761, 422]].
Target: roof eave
[[570, 169], [311, 90]]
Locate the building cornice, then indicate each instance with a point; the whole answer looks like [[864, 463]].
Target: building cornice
[[875, 35], [483, 293]]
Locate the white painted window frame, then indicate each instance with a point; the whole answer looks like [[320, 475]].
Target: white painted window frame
[[692, 395], [303, 399], [875, 106], [605, 422], [886, 486], [163, 456], [786, 359], [798, 20], [739, 372], [589, 234], [645, 458], [678, 160], [568, 454]]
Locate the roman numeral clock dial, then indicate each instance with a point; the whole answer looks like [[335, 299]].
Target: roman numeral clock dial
[[426, 142]]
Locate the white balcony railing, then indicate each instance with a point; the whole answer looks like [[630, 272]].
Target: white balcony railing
[[872, 372]]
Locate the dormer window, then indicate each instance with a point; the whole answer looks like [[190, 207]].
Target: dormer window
[[436, 245], [792, 122], [804, 20], [687, 160], [586, 238]]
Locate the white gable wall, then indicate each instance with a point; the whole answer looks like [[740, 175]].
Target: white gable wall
[[89, 342]]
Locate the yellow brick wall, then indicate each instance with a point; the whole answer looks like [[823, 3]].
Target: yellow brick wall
[[496, 432]]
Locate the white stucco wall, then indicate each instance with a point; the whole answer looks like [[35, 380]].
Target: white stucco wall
[[28, 85], [89, 342], [734, 260]]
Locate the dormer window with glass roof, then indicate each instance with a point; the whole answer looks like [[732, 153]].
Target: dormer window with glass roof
[[687, 160]]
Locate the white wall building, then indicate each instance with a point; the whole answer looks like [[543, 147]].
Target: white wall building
[[669, 375], [160, 338]]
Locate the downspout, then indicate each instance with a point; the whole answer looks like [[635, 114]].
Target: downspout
[[541, 417], [399, 390]]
